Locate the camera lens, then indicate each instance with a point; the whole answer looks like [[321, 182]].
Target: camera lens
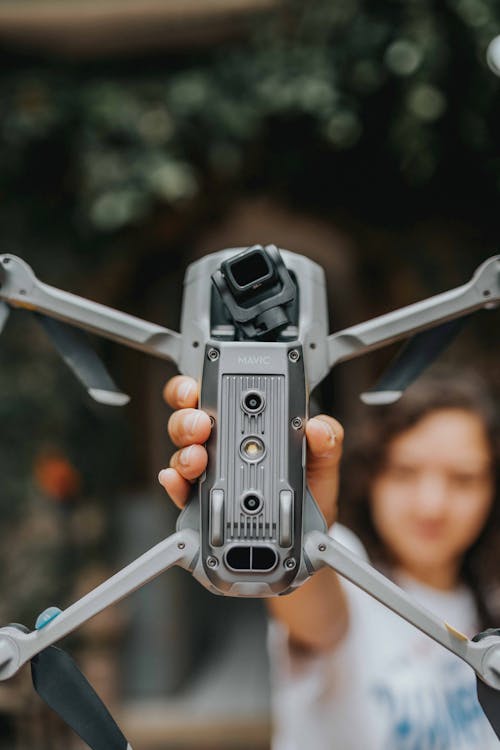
[[251, 503], [253, 402], [250, 268]]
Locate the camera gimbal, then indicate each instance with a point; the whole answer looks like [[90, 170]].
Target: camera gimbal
[[257, 337]]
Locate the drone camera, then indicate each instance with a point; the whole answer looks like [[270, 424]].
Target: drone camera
[[257, 291], [248, 272]]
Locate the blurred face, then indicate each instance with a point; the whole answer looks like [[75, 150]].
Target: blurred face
[[434, 493]]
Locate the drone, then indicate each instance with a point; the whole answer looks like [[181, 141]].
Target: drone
[[254, 332]]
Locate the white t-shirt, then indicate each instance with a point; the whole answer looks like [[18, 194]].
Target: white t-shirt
[[387, 686]]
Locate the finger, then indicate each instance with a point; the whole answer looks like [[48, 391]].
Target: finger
[[190, 462], [188, 426], [324, 438], [181, 392], [177, 487]]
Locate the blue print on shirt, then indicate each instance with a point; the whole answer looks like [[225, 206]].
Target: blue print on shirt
[[426, 720]]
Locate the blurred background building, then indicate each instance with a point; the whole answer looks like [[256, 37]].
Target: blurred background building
[[136, 136]]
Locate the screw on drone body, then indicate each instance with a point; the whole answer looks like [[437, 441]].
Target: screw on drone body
[[290, 563], [322, 547], [297, 423], [181, 545], [213, 354], [294, 355], [212, 562]]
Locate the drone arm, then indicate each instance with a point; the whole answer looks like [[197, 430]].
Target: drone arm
[[483, 290], [483, 656], [16, 647], [20, 288]]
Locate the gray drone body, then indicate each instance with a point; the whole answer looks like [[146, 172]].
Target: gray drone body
[[254, 333], [251, 506]]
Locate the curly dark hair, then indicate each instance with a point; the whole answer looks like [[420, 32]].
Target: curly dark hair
[[365, 457]]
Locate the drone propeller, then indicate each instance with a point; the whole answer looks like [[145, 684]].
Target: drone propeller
[[63, 687], [83, 361], [488, 697], [59, 683], [417, 354], [4, 314]]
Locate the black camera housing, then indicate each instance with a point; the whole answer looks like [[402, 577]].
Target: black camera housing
[[257, 290]]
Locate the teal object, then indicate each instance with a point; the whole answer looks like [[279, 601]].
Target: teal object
[[46, 616]]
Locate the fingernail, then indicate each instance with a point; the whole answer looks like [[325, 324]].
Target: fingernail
[[185, 455], [329, 433], [185, 391], [191, 422], [164, 475]]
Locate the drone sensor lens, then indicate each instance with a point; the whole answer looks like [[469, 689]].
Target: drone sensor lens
[[253, 402], [252, 503]]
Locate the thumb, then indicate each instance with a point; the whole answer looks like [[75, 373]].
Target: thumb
[[324, 443]]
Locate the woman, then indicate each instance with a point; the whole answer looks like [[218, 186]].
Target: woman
[[420, 493]]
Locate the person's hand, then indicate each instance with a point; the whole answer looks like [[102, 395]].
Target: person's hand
[[190, 427]]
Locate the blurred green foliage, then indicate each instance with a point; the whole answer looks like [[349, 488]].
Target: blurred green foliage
[[401, 87]]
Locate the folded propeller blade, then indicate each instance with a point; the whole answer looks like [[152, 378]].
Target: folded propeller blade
[[59, 683], [488, 697], [417, 354], [4, 314], [83, 361]]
